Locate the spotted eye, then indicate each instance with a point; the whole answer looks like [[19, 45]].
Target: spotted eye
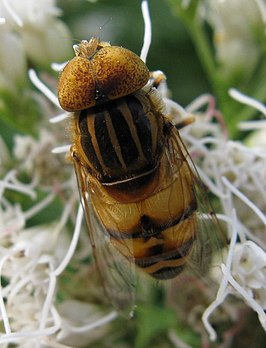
[[99, 73]]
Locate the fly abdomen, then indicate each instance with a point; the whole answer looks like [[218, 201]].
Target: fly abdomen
[[160, 250], [166, 265], [152, 223]]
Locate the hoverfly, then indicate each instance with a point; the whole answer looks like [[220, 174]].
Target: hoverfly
[[136, 183]]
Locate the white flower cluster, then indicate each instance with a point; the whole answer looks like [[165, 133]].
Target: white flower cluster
[[37, 160], [235, 174], [31, 260], [30, 30], [235, 24], [26, 261]]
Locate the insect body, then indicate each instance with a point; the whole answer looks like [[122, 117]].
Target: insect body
[[136, 184], [141, 191]]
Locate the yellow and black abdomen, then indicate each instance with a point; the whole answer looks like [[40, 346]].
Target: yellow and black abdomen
[[157, 232], [140, 183]]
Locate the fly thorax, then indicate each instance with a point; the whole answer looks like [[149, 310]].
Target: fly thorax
[[120, 139]]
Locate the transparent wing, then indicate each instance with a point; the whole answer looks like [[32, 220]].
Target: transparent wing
[[117, 274], [202, 227]]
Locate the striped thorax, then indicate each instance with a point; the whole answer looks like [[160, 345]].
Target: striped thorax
[[121, 139]]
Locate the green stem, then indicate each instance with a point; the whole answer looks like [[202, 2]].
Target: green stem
[[233, 111], [206, 57], [203, 49]]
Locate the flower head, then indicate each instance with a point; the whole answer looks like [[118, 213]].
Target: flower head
[[31, 31], [237, 25]]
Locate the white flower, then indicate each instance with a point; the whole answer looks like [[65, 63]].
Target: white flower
[[235, 173], [34, 32], [12, 221], [28, 12], [245, 169], [26, 257], [13, 67], [31, 259], [82, 323], [236, 24], [239, 17], [257, 138], [48, 44], [38, 161], [249, 270]]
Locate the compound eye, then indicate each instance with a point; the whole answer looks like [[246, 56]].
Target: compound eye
[[110, 73]]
